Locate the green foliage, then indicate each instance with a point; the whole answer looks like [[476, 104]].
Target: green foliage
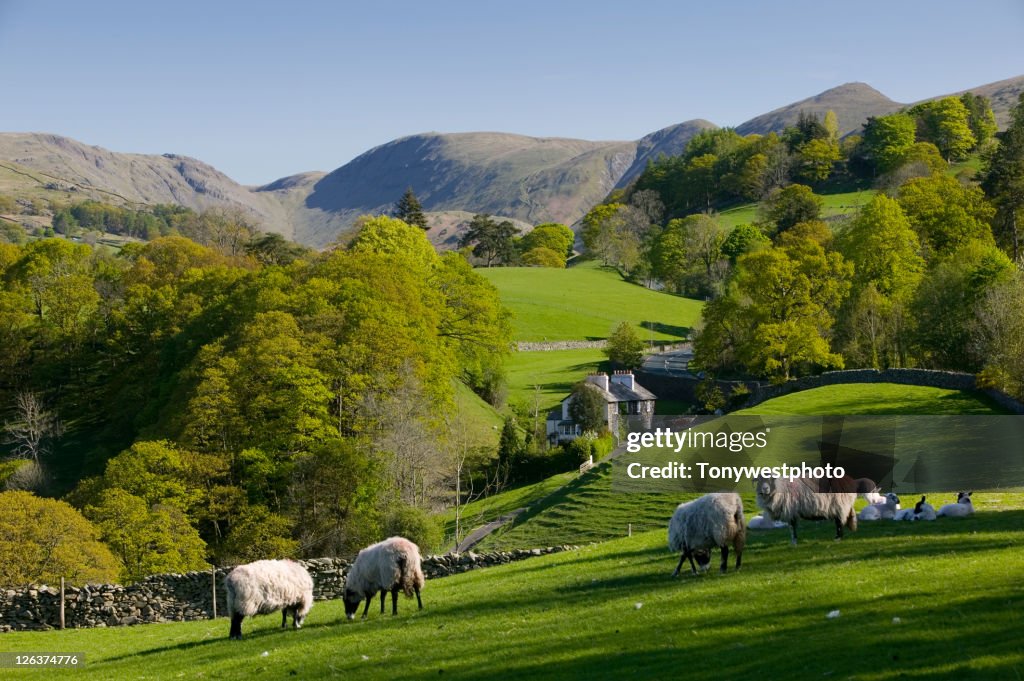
[[43, 540], [816, 160], [710, 395], [491, 241], [390, 236], [791, 205], [415, 525], [883, 248], [147, 539], [741, 239], [945, 213], [542, 256], [551, 235], [888, 139], [979, 117], [1003, 182], [625, 348], [588, 408], [947, 124], [409, 210]]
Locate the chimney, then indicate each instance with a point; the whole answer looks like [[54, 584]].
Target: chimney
[[623, 378], [599, 379]]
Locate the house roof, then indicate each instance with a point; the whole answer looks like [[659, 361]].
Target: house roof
[[620, 393], [555, 415]]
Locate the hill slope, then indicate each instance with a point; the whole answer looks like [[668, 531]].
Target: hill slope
[[852, 103]]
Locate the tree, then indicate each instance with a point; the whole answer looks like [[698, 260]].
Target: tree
[[625, 347], [409, 210], [1003, 182], [787, 206], [883, 248], [391, 236], [34, 429], [831, 124], [979, 117], [588, 407], [491, 241], [945, 213], [43, 540], [551, 235], [887, 139], [816, 158], [742, 239], [542, 256], [999, 336], [600, 227], [946, 123]]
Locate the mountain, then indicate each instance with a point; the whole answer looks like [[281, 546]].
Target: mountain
[[525, 179], [853, 103], [135, 178]]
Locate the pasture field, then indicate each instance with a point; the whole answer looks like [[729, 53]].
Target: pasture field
[[877, 399], [587, 302], [553, 371], [914, 601]]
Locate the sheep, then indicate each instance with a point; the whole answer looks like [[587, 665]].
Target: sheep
[[789, 500], [883, 511], [764, 522], [266, 586], [961, 509], [391, 565], [867, 488], [923, 510], [904, 514], [702, 524]]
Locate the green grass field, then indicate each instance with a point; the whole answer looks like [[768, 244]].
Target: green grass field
[[841, 203], [611, 611], [554, 371], [876, 399], [587, 302]]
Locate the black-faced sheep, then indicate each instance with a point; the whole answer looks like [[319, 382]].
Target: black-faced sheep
[[923, 510], [812, 499], [391, 565], [267, 586], [713, 520], [961, 509]]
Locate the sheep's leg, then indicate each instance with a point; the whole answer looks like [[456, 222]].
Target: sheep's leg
[[725, 559], [739, 556], [839, 529], [284, 618], [418, 601], [383, 595], [682, 557], [693, 566], [394, 601], [367, 608], [236, 626], [792, 531]]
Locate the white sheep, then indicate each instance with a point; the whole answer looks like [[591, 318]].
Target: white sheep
[[813, 499], [713, 520], [923, 510], [904, 514], [266, 586], [867, 488], [764, 521], [391, 565], [883, 511], [961, 509]]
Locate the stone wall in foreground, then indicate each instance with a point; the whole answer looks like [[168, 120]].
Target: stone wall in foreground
[[189, 596]]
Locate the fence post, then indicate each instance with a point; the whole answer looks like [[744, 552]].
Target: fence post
[[629, 530], [61, 602], [213, 587]]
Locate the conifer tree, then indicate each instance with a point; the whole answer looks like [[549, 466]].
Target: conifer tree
[[409, 210]]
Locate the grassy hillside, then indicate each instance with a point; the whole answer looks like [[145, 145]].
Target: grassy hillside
[[587, 302], [876, 399], [611, 611], [554, 371], [588, 510]]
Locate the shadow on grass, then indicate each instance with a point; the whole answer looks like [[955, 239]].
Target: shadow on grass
[[667, 329]]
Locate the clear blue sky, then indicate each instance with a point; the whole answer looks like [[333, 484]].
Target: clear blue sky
[[263, 90]]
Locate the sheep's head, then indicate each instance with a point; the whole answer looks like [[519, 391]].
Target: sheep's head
[[352, 601], [918, 505], [891, 498], [964, 497], [703, 558], [765, 487]]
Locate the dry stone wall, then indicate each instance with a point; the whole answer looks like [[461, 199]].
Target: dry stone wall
[[189, 596]]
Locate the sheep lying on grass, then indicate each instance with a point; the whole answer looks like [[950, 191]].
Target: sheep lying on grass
[[266, 586], [961, 509], [713, 520], [391, 565], [867, 488], [764, 522], [923, 510], [789, 500], [884, 511]]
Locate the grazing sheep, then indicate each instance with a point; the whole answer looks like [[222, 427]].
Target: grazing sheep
[[923, 510], [789, 500], [391, 565], [702, 524], [764, 522], [266, 586], [961, 509], [867, 488], [883, 511]]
